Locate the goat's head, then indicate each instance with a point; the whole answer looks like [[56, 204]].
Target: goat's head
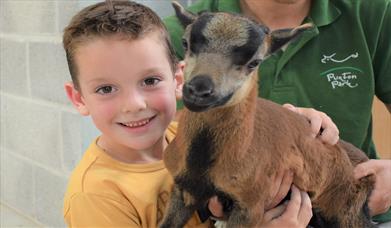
[[223, 52]]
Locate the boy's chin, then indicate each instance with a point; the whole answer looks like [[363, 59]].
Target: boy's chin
[[153, 144]]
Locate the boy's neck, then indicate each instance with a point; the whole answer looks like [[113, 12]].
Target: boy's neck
[[276, 14], [131, 156]]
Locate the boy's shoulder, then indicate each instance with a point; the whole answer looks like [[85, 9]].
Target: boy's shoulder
[[99, 174], [88, 174]]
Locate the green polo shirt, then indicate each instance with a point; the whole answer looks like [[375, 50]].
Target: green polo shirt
[[337, 67]]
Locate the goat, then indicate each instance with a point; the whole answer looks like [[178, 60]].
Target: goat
[[230, 143]]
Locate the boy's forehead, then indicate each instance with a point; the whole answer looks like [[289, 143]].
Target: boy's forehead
[[118, 52], [93, 39]]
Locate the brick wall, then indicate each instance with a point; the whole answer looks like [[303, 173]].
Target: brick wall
[[42, 136]]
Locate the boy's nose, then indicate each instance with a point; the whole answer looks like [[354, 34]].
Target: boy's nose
[[134, 102]]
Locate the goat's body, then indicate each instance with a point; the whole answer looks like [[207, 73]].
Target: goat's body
[[233, 143], [225, 152]]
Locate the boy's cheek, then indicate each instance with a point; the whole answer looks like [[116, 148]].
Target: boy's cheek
[[164, 102]]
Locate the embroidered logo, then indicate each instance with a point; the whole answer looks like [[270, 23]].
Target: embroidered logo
[[331, 58], [344, 76]]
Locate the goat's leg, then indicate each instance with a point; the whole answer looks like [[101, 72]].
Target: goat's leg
[[177, 214], [358, 215], [345, 205]]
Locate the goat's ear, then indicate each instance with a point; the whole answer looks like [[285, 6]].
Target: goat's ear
[[184, 16], [279, 39]]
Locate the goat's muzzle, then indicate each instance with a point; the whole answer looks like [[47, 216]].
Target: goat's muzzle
[[199, 94]]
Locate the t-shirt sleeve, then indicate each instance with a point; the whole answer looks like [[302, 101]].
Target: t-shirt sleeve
[[90, 210], [382, 58]]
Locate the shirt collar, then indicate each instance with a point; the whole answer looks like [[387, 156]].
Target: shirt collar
[[323, 12], [232, 6]]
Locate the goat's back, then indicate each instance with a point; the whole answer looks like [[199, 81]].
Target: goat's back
[[282, 140]]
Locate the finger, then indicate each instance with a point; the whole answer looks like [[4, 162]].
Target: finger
[[283, 188], [364, 169], [311, 115], [274, 213], [305, 212], [215, 207], [379, 202], [315, 120], [330, 133], [290, 107], [292, 209]]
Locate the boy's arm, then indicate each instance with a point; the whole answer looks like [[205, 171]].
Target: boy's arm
[[90, 210]]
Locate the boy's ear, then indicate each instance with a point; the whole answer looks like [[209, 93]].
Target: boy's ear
[[179, 78], [76, 98]]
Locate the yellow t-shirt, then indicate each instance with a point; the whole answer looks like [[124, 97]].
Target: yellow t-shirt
[[104, 192]]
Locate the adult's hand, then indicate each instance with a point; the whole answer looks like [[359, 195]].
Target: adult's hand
[[280, 187], [380, 198], [296, 212], [321, 124]]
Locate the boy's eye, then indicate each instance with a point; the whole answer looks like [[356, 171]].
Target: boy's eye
[[105, 90], [151, 81]]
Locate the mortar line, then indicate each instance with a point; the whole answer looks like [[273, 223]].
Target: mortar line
[[38, 101], [22, 214], [57, 20], [50, 38], [28, 75], [12, 153]]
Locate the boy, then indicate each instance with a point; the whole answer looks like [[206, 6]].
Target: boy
[[125, 75]]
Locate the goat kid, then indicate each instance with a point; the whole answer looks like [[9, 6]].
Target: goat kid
[[231, 143]]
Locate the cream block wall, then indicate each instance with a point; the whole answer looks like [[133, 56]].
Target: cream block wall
[[42, 138]]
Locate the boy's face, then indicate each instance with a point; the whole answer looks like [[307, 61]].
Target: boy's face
[[129, 90]]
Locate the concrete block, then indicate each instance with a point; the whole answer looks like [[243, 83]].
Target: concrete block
[[49, 194], [12, 218], [66, 10], [13, 77], [71, 126], [17, 183], [27, 17], [48, 72], [32, 130], [89, 132], [2, 121]]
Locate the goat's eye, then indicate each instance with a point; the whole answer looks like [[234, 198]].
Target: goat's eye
[[253, 64], [184, 44]]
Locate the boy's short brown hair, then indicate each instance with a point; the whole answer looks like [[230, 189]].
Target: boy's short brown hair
[[112, 17]]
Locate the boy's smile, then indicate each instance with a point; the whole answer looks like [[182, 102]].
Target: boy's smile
[[137, 124], [129, 89]]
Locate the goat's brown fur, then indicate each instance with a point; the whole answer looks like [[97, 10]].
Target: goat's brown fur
[[247, 142]]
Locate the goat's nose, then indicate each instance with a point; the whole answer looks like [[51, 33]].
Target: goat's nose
[[200, 86]]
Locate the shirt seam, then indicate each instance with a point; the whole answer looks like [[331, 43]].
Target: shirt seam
[[93, 194]]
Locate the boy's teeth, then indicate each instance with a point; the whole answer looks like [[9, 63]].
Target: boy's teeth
[[136, 124]]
